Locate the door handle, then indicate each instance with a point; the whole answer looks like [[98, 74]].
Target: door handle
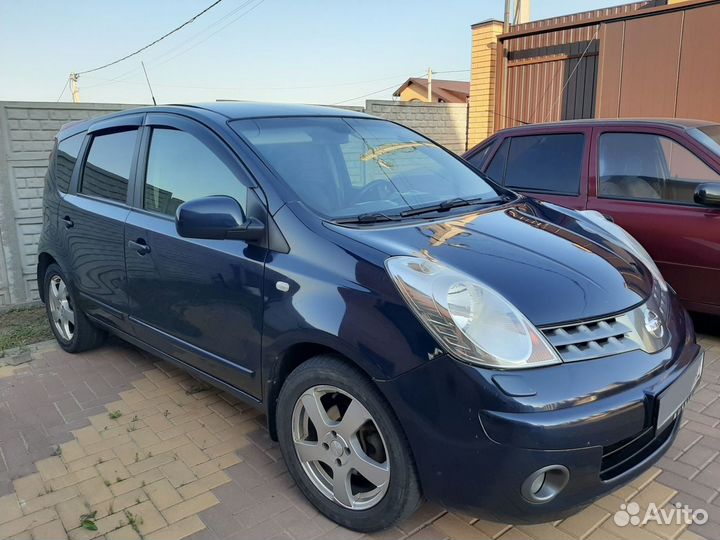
[[69, 224], [140, 246]]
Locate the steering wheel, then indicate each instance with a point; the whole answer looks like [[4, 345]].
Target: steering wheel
[[376, 190]]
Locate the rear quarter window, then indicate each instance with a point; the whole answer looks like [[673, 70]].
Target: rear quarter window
[[67, 154], [477, 159]]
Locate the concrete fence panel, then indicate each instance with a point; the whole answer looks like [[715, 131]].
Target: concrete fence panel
[[445, 123], [26, 139]]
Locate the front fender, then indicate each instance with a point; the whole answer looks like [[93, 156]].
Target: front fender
[[335, 291], [369, 325]]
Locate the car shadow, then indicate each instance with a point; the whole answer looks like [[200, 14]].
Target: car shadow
[[706, 324]]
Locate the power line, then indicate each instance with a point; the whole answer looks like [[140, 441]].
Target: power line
[[233, 21], [120, 78], [67, 81], [365, 95], [513, 119], [451, 71], [192, 19], [255, 88], [395, 85], [547, 117]]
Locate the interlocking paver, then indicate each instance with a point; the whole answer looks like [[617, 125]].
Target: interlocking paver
[[70, 512], [113, 471], [52, 529], [94, 490], [190, 507], [29, 487], [180, 529], [163, 494], [9, 508], [203, 484], [49, 499]]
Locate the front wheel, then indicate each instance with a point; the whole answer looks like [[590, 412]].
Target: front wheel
[[344, 447]]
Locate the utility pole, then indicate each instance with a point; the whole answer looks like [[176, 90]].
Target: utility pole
[[74, 87], [429, 85]]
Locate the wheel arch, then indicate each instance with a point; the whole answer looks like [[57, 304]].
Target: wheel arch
[[289, 360], [45, 259]]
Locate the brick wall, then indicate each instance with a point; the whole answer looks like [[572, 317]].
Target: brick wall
[[26, 138], [482, 123]]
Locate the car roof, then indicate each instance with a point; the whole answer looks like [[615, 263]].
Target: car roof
[[236, 110], [681, 123], [224, 111]]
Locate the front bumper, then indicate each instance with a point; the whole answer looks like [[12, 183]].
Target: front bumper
[[475, 446]]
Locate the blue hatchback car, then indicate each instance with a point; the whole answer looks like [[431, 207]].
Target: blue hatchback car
[[409, 328]]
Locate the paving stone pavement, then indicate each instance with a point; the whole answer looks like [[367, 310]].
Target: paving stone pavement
[[150, 452]]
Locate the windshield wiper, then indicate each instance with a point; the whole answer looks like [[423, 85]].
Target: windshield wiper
[[452, 203], [369, 217]]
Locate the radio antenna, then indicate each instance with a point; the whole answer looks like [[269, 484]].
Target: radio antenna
[[148, 81]]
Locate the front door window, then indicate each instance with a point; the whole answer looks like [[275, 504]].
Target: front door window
[[643, 166]]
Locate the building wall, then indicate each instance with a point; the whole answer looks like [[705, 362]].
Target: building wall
[[412, 93], [664, 65], [481, 122], [26, 139]]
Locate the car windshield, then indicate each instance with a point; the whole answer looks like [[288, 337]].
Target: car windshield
[[345, 167], [709, 136]]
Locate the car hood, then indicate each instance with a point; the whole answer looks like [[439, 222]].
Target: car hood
[[552, 263]]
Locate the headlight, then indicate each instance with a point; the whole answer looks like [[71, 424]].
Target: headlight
[[471, 320], [626, 239]]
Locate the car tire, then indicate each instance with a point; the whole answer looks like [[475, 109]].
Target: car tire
[[378, 446], [72, 329]]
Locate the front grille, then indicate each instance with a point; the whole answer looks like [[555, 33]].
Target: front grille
[[586, 340], [625, 455]]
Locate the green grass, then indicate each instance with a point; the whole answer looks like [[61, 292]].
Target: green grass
[[19, 327]]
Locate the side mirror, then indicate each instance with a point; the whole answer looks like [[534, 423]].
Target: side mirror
[[708, 194], [216, 218]]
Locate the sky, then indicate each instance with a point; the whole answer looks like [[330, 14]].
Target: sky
[[310, 51]]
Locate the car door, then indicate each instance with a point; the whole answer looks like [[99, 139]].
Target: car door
[[199, 301], [550, 166], [645, 181], [92, 218]]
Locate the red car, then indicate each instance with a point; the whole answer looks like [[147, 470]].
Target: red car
[[657, 178]]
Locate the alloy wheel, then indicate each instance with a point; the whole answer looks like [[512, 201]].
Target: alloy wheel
[[340, 447], [61, 308]]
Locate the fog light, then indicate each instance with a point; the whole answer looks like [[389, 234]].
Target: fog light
[[537, 484], [545, 484]]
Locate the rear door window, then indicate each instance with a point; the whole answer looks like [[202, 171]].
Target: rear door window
[[67, 154], [546, 163], [108, 166]]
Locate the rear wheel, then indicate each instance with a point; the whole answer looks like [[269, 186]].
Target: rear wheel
[[72, 329], [344, 447]]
